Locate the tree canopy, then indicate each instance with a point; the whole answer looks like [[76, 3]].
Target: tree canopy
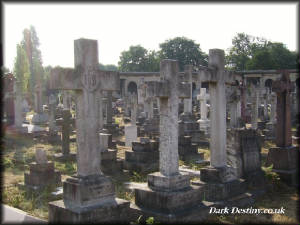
[[252, 53], [138, 59], [185, 50]]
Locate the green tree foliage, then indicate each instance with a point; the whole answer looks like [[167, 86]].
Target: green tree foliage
[[138, 59], [21, 68], [253, 53], [185, 50], [30, 44]]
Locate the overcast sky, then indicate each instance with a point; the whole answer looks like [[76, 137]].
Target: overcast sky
[[117, 26]]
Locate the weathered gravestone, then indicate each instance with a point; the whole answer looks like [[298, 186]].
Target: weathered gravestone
[[168, 195], [109, 162], [243, 154], [143, 157], [18, 109], [88, 196], [53, 134], [219, 181], [39, 117], [131, 130], [65, 123], [254, 106], [111, 126], [41, 173], [285, 156], [203, 121]]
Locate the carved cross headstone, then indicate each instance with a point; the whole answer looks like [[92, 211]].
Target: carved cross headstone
[[188, 77], [283, 88], [217, 78], [202, 97], [65, 122], [87, 81], [168, 90]]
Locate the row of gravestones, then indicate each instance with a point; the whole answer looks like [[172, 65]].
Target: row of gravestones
[[168, 195]]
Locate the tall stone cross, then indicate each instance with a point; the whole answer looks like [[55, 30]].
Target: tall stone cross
[[168, 90], [87, 81], [217, 78], [283, 88], [188, 106], [202, 97], [65, 122]]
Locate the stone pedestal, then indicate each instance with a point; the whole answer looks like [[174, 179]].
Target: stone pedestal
[[130, 134], [167, 198], [186, 147], [89, 199], [41, 176], [144, 156], [285, 162], [39, 118], [109, 162]]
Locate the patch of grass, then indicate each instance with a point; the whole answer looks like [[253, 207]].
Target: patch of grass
[[68, 168], [138, 177]]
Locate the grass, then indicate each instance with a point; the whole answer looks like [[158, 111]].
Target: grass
[[19, 152]]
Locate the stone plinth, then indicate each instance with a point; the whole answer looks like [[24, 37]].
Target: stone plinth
[[285, 162], [143, 157], [41, 176], [130, 134], [243, 154]]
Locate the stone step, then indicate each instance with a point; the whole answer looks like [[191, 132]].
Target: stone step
[[12, 215]]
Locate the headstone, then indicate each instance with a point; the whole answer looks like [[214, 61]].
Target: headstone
[[285, 156], [65, 122], [219, 181], [18, 109], [88, 196], [39, 117], [131, 130], [110, 125], [203, 122], [41, 173], [168, 191], [254, 106]]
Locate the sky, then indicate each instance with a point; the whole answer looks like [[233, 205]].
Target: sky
[[118, 26]]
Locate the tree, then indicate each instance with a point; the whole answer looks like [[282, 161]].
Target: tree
[[30, 44], [138, 59], [185, 50], [21, 68]]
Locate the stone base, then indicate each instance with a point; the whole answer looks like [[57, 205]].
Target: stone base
[[65, 157], [54, 138], [130, 134], [109, 162], [39, 118], [221, 191], [160, 182], [116, 212], [194, 214], [217, 175], [283, 158], [80, 192], [204, 125], [41, 176], [167, 202]]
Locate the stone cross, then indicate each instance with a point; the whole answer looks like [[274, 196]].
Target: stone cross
[[66, 100], [187, 102], [254, 106], [133, 101], [109, 108], [283, 88], [40, 156], [38, 106], [87, 81], [202, 97], [52, 106], [234, 107], [65, 122], [217, 78], [18, 105], [168, 90], [273, 108]]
